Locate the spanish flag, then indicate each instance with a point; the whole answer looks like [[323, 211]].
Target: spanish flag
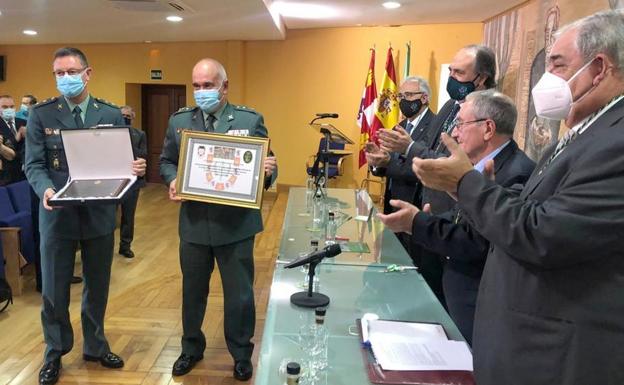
[[367, 119], [388, 103]]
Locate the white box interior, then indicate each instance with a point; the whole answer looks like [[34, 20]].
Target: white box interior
[[98, 153]]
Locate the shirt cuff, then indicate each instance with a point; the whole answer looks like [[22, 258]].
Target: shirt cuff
[[408, 148]]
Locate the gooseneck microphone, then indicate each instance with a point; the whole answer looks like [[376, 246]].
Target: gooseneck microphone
[[317, 256]]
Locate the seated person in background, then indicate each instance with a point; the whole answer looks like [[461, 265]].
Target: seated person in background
[[7, 154], [484, 129]]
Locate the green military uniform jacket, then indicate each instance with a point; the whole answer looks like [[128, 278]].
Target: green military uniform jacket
[[207, 223], [46, 167]]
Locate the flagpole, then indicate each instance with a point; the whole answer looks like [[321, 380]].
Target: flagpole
[[407, 60]]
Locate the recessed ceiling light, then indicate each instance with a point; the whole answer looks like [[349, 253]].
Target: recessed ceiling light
[[391, 5], [174, 19], [304, 10], [29, 32]]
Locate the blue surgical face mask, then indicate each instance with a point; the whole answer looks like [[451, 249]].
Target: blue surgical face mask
[[23, 108], [70, 85], [207, 100], [8, 114]]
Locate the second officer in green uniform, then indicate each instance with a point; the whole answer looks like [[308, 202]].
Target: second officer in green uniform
[[210, 232]]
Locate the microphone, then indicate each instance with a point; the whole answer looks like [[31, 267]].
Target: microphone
[[322, 115], [315, 257]]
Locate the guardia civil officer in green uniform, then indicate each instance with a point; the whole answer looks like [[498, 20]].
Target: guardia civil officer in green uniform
[[210, 232], [63, 229]]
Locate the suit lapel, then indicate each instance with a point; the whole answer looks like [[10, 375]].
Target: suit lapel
[[443, 114], [422, 127], [94, 114], [63, 114], [225, 123]]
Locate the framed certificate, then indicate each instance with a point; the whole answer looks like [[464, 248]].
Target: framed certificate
[[222, 169]]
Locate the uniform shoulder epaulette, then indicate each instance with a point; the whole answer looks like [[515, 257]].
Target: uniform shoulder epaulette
[[245, 108], [106, 102], [46, 102], [185, 109]]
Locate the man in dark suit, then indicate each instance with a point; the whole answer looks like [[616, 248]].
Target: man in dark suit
[[8, 152], [401, 183], [64, 229], [473, 69], [484, 130], [129, 204], [212, 232], [13, 131], [550, 309]]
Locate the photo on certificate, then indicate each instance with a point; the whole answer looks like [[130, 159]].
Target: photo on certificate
[[222, 169]]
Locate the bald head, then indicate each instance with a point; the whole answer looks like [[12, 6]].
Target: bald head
[[209, 74], [210, 67]]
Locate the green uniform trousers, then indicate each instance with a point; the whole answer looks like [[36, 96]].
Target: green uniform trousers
[[236, 266], [57, 268]]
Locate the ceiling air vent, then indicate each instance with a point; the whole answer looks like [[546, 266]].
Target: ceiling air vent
[[151, 5]]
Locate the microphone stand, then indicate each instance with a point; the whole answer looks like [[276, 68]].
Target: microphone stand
[[310, 298], [322, 156]]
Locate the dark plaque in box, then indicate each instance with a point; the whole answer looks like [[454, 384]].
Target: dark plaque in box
[[100, 166]]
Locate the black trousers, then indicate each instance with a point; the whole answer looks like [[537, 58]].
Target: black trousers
[[461, 292], [236, 266], [128, 209]]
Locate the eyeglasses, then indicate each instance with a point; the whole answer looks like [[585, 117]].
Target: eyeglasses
[[409, 95], [458, 123], [70, 72]]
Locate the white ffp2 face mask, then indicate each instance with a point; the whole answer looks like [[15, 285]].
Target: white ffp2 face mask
[[552, 96]]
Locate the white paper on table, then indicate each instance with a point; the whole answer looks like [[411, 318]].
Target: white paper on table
[[420, 354], [403, 330]]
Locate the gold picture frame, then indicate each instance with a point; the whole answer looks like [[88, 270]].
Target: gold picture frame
[[222, 169]]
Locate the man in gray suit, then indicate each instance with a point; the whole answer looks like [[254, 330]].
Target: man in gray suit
[[211, 232], [63, 229], [550, 308]]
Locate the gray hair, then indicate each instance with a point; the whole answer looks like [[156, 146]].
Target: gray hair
[[422, 83], [485, 63], [221, 71], [129, 109], [602, 32], [492, 104]]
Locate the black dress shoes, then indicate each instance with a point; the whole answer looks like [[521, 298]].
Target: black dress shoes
[[126, 253], [185, 363], [243, 370], [50, 372], [108, 360]]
